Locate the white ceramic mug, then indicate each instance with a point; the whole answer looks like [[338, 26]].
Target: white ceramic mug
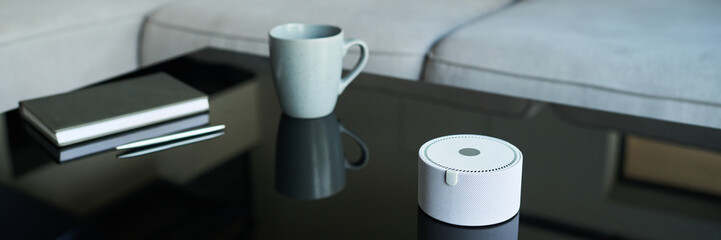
[[307, 62]]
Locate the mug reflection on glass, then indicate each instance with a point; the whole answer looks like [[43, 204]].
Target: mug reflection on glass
[[310, 163], [432, 229]]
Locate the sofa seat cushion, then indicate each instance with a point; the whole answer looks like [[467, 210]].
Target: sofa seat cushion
[[398, 33], [651, 58], [48, 47]]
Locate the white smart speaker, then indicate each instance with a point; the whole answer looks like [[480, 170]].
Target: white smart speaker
[[469, 180]]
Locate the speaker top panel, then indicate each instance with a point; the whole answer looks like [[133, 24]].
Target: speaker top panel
[[470, 153]]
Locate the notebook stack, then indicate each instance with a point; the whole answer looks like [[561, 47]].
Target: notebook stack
[[101, 117]]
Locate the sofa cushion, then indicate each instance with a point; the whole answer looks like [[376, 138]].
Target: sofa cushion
[[47, 47], [398, 33], [650, 58]]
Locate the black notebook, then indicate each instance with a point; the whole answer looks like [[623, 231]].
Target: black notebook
[[111, 108]]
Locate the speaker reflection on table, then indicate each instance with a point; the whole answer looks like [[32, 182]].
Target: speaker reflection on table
[[310, 163], [432, 229]]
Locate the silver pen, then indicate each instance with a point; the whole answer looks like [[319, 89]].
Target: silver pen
[[167, 138], [143, 151]]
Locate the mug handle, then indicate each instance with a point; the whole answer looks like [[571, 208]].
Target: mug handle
[[363, 161], [347, 44]]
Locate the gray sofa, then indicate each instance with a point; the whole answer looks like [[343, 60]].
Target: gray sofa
[[47, 46], [654, 59]]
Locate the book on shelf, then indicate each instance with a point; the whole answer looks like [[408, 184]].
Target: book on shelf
[[112, 108], [92, 147]]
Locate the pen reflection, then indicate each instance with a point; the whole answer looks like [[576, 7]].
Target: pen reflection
[[310, 163]]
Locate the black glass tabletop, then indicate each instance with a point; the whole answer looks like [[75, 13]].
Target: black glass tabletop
[[353, 174]]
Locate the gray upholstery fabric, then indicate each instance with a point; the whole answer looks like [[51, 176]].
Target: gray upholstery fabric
[[398, 33], [651, 58], [48, 47]]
